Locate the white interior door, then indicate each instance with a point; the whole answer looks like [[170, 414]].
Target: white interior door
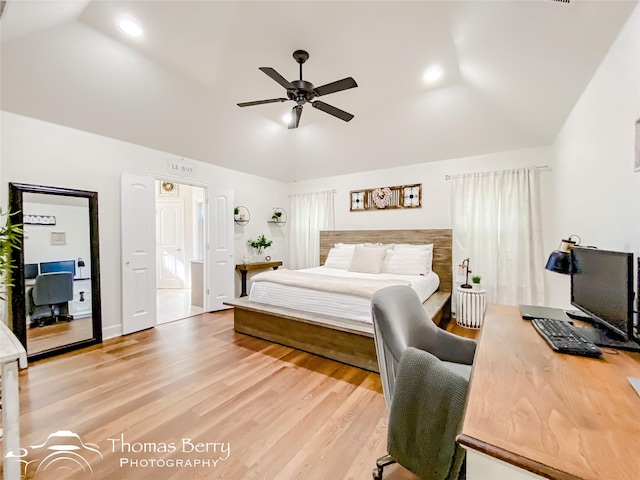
[[138, 245], [220, 286], [170, 257]]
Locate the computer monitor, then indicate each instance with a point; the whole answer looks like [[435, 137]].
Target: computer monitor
[[602, 287], [59, 266], [30, 271]]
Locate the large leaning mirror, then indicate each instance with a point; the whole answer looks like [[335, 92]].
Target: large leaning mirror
[[55, 298]]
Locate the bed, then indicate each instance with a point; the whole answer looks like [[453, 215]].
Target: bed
[[332, 334]]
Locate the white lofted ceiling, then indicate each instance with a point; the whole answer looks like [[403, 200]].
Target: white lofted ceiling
[[513, 72]]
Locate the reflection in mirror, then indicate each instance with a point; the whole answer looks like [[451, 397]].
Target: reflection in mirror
[[56, 294], [56, 235]]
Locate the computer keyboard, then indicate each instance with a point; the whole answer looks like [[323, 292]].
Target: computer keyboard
[[564, 338]]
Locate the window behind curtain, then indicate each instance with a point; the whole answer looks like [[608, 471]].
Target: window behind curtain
[[496, 223], [310, 213]]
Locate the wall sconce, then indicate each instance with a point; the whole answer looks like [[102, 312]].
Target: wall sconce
[[560, 259], [80, 267]]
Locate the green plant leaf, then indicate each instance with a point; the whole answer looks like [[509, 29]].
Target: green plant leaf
[[10, 237]]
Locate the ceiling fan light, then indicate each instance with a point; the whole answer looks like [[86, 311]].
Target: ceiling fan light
[[286, 118], [433, 74], [303, 92], [130, 27]]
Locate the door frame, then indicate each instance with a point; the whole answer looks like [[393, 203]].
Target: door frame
[[206, 253]]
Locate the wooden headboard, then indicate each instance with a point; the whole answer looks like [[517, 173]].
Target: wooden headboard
[[441, 240]]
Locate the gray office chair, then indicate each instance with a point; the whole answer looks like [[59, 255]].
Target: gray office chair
[[399, 322], [48, 299]]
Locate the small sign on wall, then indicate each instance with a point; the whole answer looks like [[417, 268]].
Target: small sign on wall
[[637, 163], [181, 167]]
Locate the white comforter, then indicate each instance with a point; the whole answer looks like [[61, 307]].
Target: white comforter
[[335, 292], [358, 286]]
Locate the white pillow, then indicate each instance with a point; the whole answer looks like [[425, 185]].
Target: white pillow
[[410, 246], [423, 247], [367, 259], [386, 245], [350, 246], [339, 258], [408, 261]]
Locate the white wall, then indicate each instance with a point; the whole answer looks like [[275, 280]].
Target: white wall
[[597, 191], [436, 199], [42, 153]]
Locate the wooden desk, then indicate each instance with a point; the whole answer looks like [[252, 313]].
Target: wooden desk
[[243, 268], [12, 354], [532, 413]]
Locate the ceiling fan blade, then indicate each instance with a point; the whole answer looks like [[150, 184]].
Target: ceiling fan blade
[[331, 110], [337, 86], [296, 113], [260, 102], [277, 77]]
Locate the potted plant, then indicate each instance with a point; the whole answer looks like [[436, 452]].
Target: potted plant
[[475, 279], [9, 235], [260, 243], [277, 215], [240, 215]]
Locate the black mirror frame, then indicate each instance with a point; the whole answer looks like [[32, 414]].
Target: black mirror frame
[[17, 315]]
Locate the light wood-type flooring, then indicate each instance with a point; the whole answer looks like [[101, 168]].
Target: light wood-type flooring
[[194, 391], [175, 304], [57, 334]]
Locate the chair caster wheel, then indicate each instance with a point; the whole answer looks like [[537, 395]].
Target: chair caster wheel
[[377, 473]]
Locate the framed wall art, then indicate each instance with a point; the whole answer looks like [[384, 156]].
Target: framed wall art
[[39, 219], [386, 198]]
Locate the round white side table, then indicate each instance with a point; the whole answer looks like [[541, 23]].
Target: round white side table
[[470, 308]]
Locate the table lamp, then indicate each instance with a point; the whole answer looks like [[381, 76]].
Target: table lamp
[[465, 265], [80, 267]]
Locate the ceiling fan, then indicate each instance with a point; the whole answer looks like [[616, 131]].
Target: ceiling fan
[[301, 92]]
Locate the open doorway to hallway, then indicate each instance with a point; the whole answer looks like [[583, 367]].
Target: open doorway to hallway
[[180, 250]]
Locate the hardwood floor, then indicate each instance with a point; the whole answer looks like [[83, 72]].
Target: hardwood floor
[[54, 335], [278, 413]]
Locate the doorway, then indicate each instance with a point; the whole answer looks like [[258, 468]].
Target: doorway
[[180, 250]]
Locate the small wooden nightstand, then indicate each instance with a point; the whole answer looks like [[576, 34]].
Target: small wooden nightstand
[[243, 268]]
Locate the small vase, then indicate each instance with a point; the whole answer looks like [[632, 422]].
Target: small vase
[[476, 286]]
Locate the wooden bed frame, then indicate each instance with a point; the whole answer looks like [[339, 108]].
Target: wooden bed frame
[[346, 341]]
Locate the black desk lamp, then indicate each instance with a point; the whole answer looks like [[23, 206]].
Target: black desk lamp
[[560, 260]]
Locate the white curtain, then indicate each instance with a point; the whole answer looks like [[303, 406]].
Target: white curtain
[[497, 225], [310, 213]]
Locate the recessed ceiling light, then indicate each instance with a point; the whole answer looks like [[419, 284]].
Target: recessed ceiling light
[[130, 27], [433, 74], [286, 118]]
